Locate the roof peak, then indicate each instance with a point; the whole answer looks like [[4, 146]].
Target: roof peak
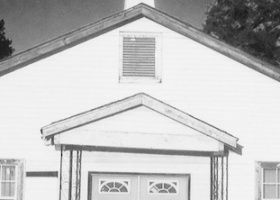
[[131, 3]]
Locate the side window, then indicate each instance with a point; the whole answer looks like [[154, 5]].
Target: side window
[[268, 180], [140, 57], [11, 179]]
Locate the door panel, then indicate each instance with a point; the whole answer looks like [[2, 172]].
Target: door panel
[[139, 187]]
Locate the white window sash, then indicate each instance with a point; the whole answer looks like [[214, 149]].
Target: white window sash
[[8, 181], [276, 184]]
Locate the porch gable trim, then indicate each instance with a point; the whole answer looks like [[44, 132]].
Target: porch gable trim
[[132, 102]]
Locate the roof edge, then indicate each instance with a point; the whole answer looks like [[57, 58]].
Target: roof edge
[[121, 106], [213, 43], [69, 40], [124, 17]]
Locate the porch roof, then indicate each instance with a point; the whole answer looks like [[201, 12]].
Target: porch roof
[[141, 99]]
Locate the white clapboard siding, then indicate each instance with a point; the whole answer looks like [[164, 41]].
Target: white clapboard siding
[[195, 79], [43, 188]]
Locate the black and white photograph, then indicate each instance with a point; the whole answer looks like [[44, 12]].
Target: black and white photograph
[[139, 100]]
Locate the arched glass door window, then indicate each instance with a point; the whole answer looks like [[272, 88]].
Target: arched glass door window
[[113, 186], [163, 187]]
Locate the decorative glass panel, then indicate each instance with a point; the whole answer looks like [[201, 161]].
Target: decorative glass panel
[[156, 187], [269, 175], [114, 186], [269, 191]]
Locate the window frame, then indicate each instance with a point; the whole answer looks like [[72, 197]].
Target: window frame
[[260, 168], [7, 181], [158, 57], [19, 177]]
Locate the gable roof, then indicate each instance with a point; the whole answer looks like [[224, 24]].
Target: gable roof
[[132, 102], [112, 22]]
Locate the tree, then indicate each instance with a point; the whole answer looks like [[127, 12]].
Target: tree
[[250, 25], [5, 44]]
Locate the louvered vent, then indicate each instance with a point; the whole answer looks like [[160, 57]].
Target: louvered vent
[[139, 57]]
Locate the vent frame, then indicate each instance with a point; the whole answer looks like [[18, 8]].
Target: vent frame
[[157, 76]]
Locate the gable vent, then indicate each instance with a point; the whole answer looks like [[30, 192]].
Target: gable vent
[[139, 57]]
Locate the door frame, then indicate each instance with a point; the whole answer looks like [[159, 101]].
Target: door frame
[[90, 173]]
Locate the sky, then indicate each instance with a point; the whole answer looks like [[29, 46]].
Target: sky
[[30, 23]]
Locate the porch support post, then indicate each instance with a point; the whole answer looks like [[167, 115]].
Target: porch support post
[[219, 177], [70, 174]]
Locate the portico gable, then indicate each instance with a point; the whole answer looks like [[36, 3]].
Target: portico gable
[[153, 118], [140, 129], [138, 124]]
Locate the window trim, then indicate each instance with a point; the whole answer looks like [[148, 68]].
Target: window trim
[[19, 177], [158, 58]]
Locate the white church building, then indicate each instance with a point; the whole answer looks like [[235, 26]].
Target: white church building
[[138, 106]]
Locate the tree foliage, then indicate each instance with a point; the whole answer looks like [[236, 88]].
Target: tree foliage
[[5, 44], [251, 25]]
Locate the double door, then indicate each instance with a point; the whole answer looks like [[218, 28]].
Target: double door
[[138, 187]]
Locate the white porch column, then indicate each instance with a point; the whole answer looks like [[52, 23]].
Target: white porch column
[[219, 177], [70, 174], [130, 3]]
